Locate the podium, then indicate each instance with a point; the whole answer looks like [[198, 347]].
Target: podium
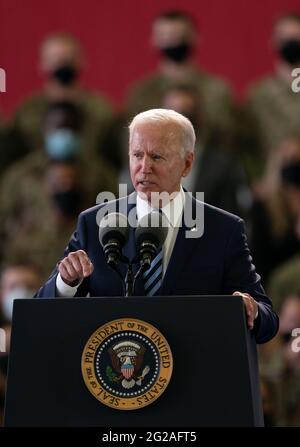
[[214, 380]]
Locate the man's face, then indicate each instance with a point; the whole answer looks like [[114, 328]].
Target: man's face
[[61, 177], [287, 41], [290, 314], [179, 101], [58, 119], [170, 33], [156, 159], [19, 277], [184, 103], [287, 30], [57, 53]]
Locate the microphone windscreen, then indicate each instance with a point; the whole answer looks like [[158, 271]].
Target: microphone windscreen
[[114, 226], [153, 227]]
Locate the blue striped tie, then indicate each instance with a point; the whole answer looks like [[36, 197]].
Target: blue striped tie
[[153, 276]]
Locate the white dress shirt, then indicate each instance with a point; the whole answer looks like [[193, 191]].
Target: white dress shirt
[[172, 211]]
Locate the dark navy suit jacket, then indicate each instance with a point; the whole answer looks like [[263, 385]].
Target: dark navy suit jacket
[[217, 263]]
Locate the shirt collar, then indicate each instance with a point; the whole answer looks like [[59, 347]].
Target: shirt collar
[[173, 210]]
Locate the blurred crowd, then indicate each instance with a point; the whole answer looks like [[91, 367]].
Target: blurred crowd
[[65, 144]]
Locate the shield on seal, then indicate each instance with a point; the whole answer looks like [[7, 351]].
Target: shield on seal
[[127, 370]]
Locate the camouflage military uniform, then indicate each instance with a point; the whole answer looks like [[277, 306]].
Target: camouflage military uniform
[[97, 117], [215, 99], [285, 384], [285, 281], [271, 114], [28, 225]]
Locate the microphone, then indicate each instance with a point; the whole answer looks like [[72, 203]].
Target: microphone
[[113, 235], [150, 235]]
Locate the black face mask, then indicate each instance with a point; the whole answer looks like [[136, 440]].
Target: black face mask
[[179, 53], [290, 174], [290, 51], [68, 202], [65, 75]]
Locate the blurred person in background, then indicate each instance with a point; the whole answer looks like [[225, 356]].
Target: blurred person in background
[[268, 391], [12, 147], [281, 364], [215, 172], [11, 144], [18, 280], [275, 234], [174, 36], [61, 63], [272, 110], [285, 280], [41, 195]]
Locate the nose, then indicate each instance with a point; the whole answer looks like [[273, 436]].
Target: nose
[[146, 166]]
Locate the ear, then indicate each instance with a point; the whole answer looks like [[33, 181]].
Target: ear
[[189, 159]]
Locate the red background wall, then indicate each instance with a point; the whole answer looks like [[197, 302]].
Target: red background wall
[[115, 37]]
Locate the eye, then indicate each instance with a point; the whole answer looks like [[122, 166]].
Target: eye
[[137, 155], [157, 157]]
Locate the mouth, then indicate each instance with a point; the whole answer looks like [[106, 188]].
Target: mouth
[[145, 184]]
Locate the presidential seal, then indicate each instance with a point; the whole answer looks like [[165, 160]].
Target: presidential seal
[[127, 364]]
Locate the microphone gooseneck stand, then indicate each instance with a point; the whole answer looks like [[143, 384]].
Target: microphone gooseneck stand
[[129, 281], [130, 278]]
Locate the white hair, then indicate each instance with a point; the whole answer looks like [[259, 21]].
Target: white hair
[[185, 128]]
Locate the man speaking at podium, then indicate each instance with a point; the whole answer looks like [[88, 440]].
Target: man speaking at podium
[[218, 262]]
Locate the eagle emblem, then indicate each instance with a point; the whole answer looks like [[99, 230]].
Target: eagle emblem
[[127, 360], [127, 364]]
